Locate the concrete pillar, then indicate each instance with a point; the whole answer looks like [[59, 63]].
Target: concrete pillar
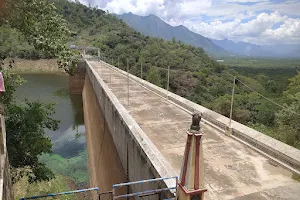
[[76, 82], [191, 181]]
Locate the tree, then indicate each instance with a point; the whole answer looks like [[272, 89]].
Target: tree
[[223, 105], [44, 28], [26, 140], [271, 86], [288, 121], [153, 76], [294, 85], [265, 113]]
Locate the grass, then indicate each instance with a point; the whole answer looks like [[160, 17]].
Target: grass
[[60, 184]]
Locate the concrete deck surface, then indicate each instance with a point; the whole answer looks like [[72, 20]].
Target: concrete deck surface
[[232, 170]]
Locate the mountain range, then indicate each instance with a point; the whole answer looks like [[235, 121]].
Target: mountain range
[[155, 27], [253, 50]]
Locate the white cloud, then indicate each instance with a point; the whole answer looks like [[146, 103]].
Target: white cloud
[[215, 29], [289, 29], [258, 30], [139, 7], [194, 7], [257, 26], [247, 20]]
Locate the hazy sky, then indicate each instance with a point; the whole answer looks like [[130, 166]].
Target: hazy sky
[[255, 21]]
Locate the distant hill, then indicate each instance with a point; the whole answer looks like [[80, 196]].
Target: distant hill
[[284, 50], [242, 48], [253, 50], [155, 27]]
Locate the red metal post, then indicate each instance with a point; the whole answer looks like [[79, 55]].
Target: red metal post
[[186, 159]]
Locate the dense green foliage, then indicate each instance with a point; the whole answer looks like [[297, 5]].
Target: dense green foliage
[[289, 119], [13, 44]]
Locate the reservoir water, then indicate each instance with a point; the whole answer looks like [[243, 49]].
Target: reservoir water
[[69, 155]]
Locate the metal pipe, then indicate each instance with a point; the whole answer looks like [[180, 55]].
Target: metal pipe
[[144, 192], [144, 181]]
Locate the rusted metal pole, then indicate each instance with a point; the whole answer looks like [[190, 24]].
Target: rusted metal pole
[[112, 61], [103, 66], [128, 83], [141, 70], [168, 82], [232, 98]]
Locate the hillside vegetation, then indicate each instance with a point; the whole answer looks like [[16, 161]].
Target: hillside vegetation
[[194, 75]]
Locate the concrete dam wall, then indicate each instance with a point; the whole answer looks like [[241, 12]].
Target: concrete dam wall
[[105, 167], [118, 150]]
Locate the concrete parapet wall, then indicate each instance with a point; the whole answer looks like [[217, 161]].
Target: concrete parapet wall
[[6, 189], [6, 185], [139, 157], [279, 150]]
